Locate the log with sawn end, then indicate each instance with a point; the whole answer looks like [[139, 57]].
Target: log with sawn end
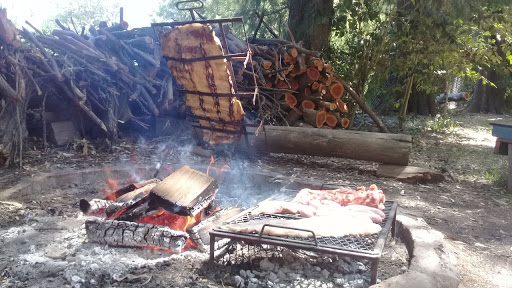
[[130, 234], [376, 147], [185, 192]]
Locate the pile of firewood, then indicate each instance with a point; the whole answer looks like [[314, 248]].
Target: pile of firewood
[[296, 84], [111, 75]]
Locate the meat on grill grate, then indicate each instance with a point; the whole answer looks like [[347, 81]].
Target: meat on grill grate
[[322, 226], [373, 197]]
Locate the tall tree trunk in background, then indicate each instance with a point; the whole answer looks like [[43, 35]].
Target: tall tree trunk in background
[[310, 21], [422, 103], [487, 98]]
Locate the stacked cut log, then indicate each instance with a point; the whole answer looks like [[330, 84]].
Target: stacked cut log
[[296, 84]]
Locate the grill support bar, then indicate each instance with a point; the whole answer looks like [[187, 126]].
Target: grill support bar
[[373, 257]]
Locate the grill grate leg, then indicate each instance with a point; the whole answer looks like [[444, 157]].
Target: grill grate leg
[[212, 249], [374, 271]]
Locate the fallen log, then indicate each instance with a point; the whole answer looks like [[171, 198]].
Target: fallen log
[[453, 97], [130, 234], [377, 147]]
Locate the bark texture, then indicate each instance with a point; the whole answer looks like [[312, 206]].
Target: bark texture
[[310, 21], [377, 147], [130, 234], [486, 97]]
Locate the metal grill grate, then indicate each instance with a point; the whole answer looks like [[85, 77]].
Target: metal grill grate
[[365, 243]]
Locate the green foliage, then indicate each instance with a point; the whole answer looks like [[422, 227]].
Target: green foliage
[[496, 176], [441, 124], [84, 13], [276, 13]]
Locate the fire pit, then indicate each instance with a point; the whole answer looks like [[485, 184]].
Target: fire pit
[[87, 261], [360, 247]]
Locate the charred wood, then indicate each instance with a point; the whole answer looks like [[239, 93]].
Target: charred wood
[[129, 234]]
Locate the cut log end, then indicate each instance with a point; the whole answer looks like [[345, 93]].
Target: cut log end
[[337, 90], [342, 106], [322, 88], [294, 85], [345, 122], [294, 52], [321, 118], [307, 91], [282, 85], [308, 104], [290, 99], [331, 120], [315, 86], [313, 73]]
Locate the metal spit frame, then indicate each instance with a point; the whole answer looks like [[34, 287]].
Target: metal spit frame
[[246, 57], [372, 256]]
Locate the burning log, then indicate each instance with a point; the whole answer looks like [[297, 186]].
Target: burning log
[[128, 200], [199, 234], [130, 234], [130, 188], [185, 192], [95, 207]]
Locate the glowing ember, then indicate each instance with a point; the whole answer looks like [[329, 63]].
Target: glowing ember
[[160, 217]]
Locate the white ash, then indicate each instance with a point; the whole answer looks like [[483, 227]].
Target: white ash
[[299, 272], [53, 252]]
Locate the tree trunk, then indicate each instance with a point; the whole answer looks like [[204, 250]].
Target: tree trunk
[[486, 98], [310, 21]]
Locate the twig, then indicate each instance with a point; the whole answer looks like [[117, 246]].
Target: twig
[[34, 28], [291, 35], [363, 106], [54, 66], [276, 89], [39, 92], [259, 24], [284, 43], [61, 25], [21, 135], [73, 23], [269, 29]]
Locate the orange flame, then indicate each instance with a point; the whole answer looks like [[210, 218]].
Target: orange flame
[[212, 161]]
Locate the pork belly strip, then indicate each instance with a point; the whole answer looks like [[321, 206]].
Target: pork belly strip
[[327, 209], [373, 197], [322, 226], [283, 207]]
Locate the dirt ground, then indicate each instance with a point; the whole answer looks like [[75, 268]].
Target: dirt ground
[[471, 208]]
